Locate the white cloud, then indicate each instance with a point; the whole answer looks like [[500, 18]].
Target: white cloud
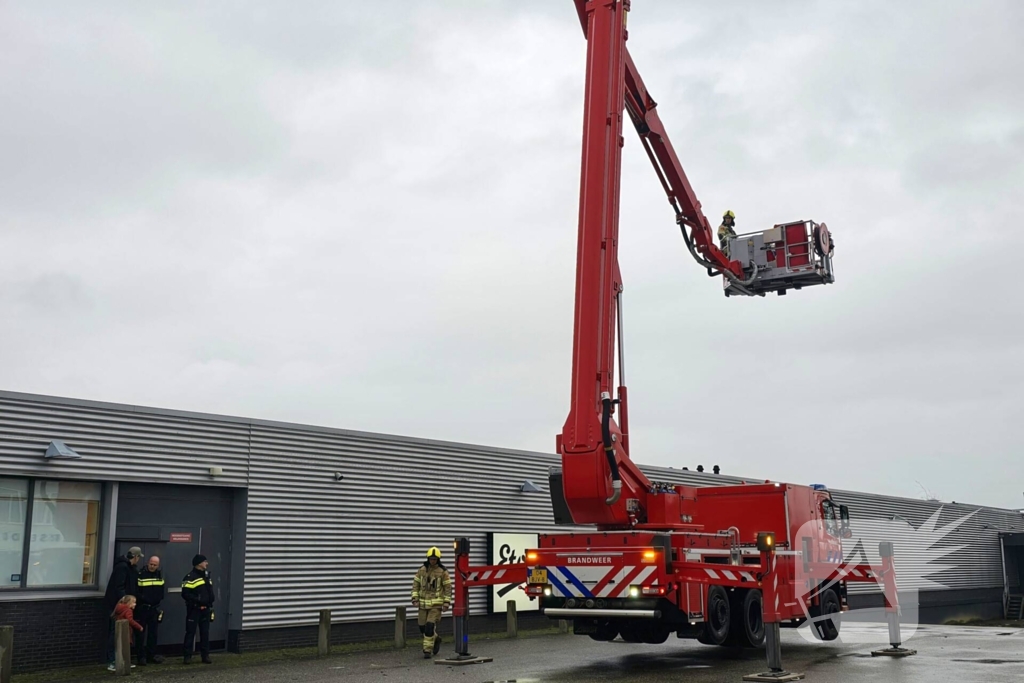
[[366, 217]]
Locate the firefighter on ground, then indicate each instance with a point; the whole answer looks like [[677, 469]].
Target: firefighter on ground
[[432, 594], [197, 590], [726, 232], [150, 594]]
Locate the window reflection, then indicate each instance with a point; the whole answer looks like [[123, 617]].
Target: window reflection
[[13, 508], [64, 534]]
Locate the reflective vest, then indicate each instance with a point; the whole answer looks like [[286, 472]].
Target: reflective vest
[[197, 589], [725, 233], [151, 587], [432, 586]]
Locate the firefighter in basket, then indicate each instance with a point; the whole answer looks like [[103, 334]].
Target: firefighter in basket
[[726, 231]]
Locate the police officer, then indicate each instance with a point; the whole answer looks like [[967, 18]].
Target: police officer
[[197, 591], [150, 594], [431, 593]]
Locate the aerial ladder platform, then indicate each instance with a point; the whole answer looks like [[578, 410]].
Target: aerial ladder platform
[[724, 565]]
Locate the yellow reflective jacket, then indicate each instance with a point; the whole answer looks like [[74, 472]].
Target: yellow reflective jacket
[[432, 586], [725, 233]]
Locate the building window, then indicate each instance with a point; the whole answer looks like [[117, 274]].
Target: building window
[[65, 523], [50, 533], [13, 509]]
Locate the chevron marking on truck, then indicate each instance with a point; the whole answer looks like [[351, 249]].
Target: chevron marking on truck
[[604, 581], [483, 576]]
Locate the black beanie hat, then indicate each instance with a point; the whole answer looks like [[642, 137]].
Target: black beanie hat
[[198, 559]]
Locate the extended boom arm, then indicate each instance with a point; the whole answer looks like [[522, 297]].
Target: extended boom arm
[[641, 108], [598, 479], [599, 483]]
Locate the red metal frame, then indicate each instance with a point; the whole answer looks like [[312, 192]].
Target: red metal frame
[[641, 107], [467, 577]]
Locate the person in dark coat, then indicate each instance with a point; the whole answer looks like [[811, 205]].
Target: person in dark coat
[[123, 581]]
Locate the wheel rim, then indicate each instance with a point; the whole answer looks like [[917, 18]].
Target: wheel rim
[[718, 611]]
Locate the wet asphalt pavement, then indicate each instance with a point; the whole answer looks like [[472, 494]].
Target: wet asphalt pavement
[[945, 653]]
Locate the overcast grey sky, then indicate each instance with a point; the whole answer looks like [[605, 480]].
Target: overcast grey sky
[[363, 215]]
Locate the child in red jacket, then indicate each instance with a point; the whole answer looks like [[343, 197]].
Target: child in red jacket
[[125, 611]]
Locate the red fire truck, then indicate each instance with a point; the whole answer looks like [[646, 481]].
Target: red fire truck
[[696, 568], [723, 565]]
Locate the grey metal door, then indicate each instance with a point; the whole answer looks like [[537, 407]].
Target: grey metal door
[[215, 544], [176, 523], [175, 562]]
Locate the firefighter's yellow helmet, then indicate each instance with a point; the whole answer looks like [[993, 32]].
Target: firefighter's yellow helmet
[[729, 214], [434, 552]]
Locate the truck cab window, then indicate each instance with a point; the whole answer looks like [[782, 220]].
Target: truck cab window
[[831, 525]]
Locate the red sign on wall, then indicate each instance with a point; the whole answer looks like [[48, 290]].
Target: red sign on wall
[[181, 537]]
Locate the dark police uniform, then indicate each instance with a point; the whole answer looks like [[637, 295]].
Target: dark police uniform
[[150, 593], [197, 591]]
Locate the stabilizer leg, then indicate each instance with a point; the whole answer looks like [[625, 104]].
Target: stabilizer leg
[[460, 610], [892, 606], [770, 614]]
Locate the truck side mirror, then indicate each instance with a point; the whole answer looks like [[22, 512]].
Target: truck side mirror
[[844, 521]]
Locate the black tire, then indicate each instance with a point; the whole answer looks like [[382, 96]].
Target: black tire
[[605, 632], [826, 625], [716, 628], [653, 634], [735, 637], [753, 619]]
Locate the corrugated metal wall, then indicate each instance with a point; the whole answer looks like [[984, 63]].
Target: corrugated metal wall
[[122, 443], [959, 548], [353, 545]]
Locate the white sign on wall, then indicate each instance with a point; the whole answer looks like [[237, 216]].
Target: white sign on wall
[[510, 549]]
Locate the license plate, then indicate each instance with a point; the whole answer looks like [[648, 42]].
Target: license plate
[[538, 575]]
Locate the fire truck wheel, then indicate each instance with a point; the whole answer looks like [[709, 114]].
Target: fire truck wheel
[[605, 632], [753, 619], [716, 628], [736, 637], [828, 626], [654, 634]]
